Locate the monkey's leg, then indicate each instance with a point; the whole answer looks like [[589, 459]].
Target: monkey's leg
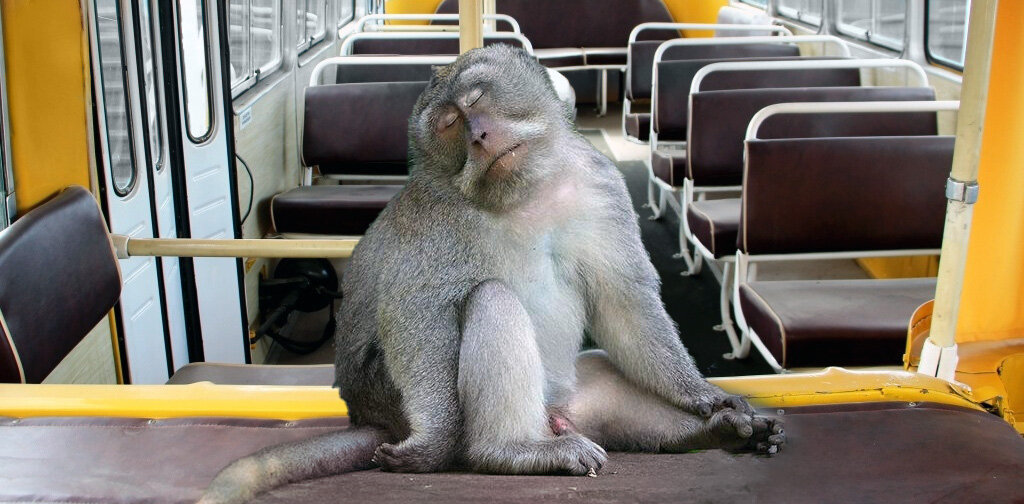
[[501, 388], [614, 412]]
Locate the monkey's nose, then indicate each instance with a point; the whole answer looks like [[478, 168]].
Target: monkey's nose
[[479, 127]]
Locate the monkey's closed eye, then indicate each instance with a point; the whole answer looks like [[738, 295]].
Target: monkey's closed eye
[[474, 97], [448, 120]]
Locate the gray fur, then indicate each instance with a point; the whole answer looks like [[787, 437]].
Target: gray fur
[[467, 300]]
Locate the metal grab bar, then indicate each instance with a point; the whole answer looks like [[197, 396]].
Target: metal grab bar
[[314, 77], [361, 24], [846, 108], [740, 66], [346, 45], [781, 30], [126, 247]]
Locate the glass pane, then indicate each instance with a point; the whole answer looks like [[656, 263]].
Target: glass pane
[[194, 68], [300, 23], [115, 100], [238, 41], [806, 11], [316, 11], [759, 3], [347, 10], [265, 29], [149, 87], [881, 22], [947, 31]]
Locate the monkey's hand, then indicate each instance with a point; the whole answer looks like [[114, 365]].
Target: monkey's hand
[[415, 455], [714, 400]]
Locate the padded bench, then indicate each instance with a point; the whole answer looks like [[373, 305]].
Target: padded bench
[[852, 195], [351, 129], [719, 122]]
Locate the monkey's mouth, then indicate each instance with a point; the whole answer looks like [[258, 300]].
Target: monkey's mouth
[[508, 159]]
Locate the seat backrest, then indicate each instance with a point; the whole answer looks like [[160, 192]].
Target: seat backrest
[[419, 46], [718, 123], [359, 128], [670, 112], [835, 194], [576, 23], [412, 72], [641, 59], [52, 293]]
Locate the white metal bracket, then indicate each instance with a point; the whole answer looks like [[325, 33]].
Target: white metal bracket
[[966, 192], [938, 361]]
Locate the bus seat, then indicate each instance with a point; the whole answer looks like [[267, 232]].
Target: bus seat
[[719, 123], [589, 38], [52, 295], [830, 195], [254, 374], [420, 46], [375, 145]]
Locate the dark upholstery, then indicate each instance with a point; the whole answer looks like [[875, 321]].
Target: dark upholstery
[[720, 120], [676, 77], [809, 323], [330, 209], [349, 74], [639, 126], [714, 223], [254, 374], [642, 60], [844, 194], [560, 57], [359, 128], [53, 294], [419, 46], [669, 166], [577, 23], [852, 453]]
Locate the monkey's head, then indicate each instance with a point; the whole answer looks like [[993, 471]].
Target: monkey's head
[[487, 125]]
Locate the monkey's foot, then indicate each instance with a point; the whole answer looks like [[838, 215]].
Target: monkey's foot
[[410, 457], [706, 406], [577, 455], [742, 432]]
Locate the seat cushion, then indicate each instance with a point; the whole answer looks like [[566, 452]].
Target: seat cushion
[[330, 209], [669, 166], [715, 223], [834, 322], [605, 56], [639, 126], [253, 374]]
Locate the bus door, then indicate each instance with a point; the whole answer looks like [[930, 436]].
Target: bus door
[[121, 166], [205, 181]]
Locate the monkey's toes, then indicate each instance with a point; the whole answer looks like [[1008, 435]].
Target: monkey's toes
[[768, 436], [734, 402], [580, 456], [399, 458]]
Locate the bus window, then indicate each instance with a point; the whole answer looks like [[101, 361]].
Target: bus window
[[946, 37], [254, 41], [149, 87], [805, 11], [346, 11], [116, 109], [756, 3], [310, 19], [880, 22], [195, 70]]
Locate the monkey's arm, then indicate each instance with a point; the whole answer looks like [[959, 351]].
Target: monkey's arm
[[419, 338]]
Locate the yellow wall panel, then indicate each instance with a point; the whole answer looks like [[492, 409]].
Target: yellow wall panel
[[688, 11], [992, 304], [47, 86], [411, 7]]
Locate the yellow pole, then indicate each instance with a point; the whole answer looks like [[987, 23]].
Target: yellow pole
[[471, 23], [125, 247], [938, 358]]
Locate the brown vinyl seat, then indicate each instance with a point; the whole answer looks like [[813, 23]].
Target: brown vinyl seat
[[419, 46], [253, 374], [52, 295], [823, 195], [853, 453], [719, 119], [338, 145]]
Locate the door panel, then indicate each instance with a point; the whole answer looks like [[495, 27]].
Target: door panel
[[128, 203], [209, 181]]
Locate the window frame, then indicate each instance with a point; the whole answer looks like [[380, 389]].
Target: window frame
[[7, 200], [342, 21], [133, 181], [794, 14], [258, 74], [864, 35], [151, 115], [211, 123], [760, 4], [939, 60]]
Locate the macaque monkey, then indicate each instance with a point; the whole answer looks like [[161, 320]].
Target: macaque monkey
[[466, 304]]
